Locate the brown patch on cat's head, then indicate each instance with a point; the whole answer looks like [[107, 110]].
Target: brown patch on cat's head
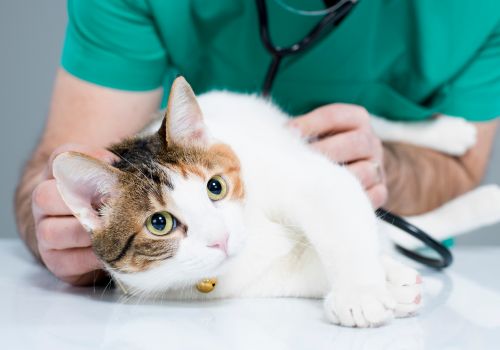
[[124, 243], [229, 165]]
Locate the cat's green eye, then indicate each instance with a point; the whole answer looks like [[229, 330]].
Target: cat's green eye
[[216, 188], [161, 223]]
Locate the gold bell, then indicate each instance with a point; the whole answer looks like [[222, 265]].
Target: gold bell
[[206, 285]]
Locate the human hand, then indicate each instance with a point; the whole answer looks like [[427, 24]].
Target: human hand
[[63, 244], [343, 133]]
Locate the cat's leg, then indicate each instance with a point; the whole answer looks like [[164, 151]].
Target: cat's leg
[[452, 135], [336, 216], [405, 284]]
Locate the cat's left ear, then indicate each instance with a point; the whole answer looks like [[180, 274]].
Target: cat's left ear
[[183, 123], [85, 184]]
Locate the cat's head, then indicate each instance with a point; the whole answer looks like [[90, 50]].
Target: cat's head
[[169, 211]]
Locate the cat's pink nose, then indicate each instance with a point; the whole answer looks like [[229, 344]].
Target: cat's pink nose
[[220, 244]]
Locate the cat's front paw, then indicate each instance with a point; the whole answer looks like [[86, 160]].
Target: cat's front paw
[[405, 285], [360, 307]]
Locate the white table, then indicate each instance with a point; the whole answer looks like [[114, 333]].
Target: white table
[[461, 311]]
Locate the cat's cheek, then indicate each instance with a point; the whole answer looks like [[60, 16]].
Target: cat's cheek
[[234, 221], [236, 244], [237, 240]]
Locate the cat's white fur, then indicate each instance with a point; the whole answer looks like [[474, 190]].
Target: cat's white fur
[[474, 209], [306, 228], [310, 230], [452, 135]]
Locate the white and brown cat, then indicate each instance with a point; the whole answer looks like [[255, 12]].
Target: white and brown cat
[[223, 189]]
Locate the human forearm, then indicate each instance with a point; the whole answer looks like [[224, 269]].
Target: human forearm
[[32, 176], [421, 179]]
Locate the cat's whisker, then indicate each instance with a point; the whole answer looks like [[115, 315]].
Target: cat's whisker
[[135, 295], [106, 287]]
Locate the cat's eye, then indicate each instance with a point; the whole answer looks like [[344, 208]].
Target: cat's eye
[[216, 188], [161, 223]]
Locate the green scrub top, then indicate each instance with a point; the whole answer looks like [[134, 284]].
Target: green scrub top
[[401, 59]]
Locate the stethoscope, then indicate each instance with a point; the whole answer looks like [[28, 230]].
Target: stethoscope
[[334, 15]]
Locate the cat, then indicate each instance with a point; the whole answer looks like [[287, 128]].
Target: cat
[[221, 191]]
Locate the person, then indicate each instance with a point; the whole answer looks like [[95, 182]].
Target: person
[[403, 60]]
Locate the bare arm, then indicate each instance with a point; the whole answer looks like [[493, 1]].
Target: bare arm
[[93, 117], [416, 179], [421, 179]]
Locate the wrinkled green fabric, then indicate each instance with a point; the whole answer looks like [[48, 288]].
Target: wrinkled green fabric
[[403, 59]]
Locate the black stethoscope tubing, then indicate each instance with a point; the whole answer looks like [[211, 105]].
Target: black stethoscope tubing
[[332, 19], [446, 258]]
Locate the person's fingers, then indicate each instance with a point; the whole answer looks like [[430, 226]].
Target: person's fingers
[[332, 118], [96, 152], [61, 232], [368, 172], [46, 200], [378, 195], [70, 263], [346, 147]]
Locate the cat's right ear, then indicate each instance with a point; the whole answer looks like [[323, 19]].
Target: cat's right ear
[[183, 123], [85, 185]]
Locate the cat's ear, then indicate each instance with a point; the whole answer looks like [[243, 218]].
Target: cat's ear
[[183, 122], [85, 185]]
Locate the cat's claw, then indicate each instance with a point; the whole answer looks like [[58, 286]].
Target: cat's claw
[[371, 307], [405, 285]]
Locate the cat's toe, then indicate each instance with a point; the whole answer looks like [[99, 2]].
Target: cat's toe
[[359, 308], [405, 285], [408, 299]]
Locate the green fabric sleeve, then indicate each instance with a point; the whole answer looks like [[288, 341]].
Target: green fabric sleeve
[[114, 43], [475, 92]]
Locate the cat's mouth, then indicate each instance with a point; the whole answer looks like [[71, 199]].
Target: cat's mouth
[[223, 265]]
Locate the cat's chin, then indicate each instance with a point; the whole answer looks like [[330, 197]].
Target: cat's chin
[[216, 269], [224, 265]]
